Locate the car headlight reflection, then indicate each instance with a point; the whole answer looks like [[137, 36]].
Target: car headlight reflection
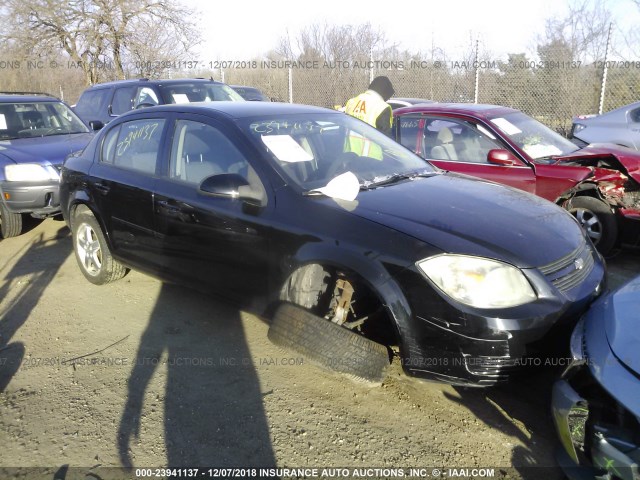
[[478, 282], [30, 172]]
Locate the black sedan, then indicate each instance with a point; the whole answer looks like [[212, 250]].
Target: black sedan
[[349, 229]]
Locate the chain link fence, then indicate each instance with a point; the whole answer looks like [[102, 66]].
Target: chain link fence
[[552, 92]]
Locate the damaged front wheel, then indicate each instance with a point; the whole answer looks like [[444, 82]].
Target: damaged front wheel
[[328, 344], [597, 219], [334, 321]]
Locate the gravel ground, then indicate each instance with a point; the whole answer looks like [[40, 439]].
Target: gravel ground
[[144, 374]]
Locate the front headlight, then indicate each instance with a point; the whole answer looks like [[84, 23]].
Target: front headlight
[[478, 282], [29, 172]]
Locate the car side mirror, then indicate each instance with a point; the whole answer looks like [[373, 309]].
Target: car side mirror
[[223, 185], [498, 156], [232, 185], [96, 125]]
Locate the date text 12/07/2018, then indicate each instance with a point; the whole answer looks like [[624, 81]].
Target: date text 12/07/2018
[[314, 472]]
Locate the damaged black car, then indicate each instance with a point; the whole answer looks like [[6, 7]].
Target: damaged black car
[[363, 250]]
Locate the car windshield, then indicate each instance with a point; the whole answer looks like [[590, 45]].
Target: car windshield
[[313, 149], [38, 119], [537, 140], [199, 92]]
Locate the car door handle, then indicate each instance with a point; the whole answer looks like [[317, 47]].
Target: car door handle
[[169, 206], [102, 188], [181, 211]]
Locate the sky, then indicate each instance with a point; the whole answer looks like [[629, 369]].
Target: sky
[[251, 28]]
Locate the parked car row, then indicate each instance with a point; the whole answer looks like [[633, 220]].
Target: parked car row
[[362, 248]]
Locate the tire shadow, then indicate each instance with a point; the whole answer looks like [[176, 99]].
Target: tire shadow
[[20, 291], [213, 409]]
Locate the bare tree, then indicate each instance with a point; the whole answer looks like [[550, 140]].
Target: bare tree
[[98, 32], [331, 43], [582, 33]]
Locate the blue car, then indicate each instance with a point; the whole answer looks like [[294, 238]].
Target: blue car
[[596, 403], [37, 132]]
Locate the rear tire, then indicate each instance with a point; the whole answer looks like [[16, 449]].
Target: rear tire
[[597, 219], [328, 344], [10, 223], [92, 251]]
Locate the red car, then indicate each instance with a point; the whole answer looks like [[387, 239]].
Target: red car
[[598, 184]]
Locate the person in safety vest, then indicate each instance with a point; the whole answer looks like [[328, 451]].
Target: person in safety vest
[[372, 107]]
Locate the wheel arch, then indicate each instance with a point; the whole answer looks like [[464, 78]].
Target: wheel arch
[[588, 189], [368, 271], [82, 201]]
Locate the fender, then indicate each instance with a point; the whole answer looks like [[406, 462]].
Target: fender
[[580, 188], [82, 198], [366, 266]]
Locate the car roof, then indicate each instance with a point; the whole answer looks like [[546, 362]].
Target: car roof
[[143, 81], [476, 109], [624, 109], [240, 109], [26, 98]]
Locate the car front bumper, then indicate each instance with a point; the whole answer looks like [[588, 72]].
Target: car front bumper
[[466, 346], [41, 199]]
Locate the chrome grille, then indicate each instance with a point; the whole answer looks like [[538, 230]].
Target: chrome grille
[[570, 270]]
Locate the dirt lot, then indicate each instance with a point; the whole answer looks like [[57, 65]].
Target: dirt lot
[[146, 374]]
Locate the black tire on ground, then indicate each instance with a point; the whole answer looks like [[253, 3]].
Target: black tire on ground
[[597, 219], [92, 251], [328, 344], [10, 223]]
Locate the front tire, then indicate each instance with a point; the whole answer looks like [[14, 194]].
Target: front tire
[[328, 344], [10, 223], [92, 251], [597, 220]]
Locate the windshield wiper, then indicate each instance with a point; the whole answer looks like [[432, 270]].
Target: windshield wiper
[[395, 178], [63, 133]]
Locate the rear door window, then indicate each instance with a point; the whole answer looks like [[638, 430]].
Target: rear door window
[[134, 145]]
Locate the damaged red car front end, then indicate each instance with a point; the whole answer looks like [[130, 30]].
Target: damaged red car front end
[[599, 184], [615, 177]]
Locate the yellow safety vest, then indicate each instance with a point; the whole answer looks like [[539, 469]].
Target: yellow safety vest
[[367, 107]]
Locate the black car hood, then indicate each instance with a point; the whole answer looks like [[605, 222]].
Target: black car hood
[[458, 214], [622, 326], [53, 148]]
